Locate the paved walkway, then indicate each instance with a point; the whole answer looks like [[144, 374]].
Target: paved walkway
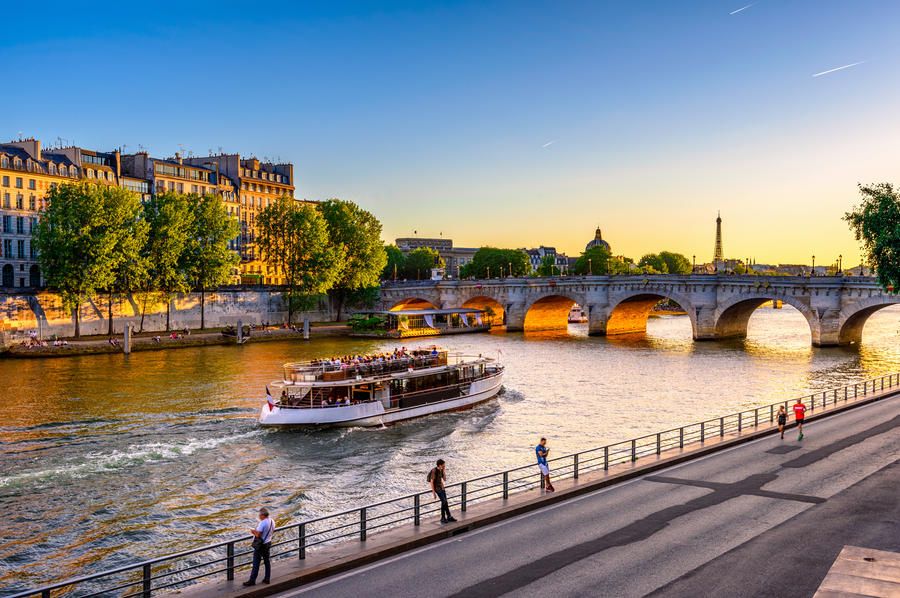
[[765, 518], [862, 572]]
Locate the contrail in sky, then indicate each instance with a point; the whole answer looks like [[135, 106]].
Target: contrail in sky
[[551, 142], [840, 68], [734, 12]]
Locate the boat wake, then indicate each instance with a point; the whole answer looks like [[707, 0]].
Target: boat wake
[[136, 454]]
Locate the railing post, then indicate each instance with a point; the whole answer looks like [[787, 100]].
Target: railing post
[[575, 466], [417, 510], [882, 383], [855, 390], [756, 417], [658, 443], [740, 422], [845, 394], [146, 581], [865, 388], [462, 497], [362, 524], [606, 458], [505, 485], [681, 437], [771, 413], [302, 540], [702, 432], [721, 426], [633, 450], [229, 561], [835, 396], [542, 480]]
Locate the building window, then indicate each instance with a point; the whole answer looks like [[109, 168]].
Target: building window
[[21, 248], [33, 252], [7, 223], [6, 181], [6, 200], [32, 225], [7, 247], [31, 184], [171, 186], [18, 182], [4, 162], [19, 200], [20, 225], [181, 187], [53, 169], [32, 204], [193, 188]]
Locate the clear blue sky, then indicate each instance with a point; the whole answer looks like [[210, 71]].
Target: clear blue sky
[[509, 123]]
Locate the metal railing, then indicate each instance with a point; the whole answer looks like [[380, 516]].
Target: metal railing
[[224, 558]]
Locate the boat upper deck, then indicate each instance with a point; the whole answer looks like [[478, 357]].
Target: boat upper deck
[[337, 370]]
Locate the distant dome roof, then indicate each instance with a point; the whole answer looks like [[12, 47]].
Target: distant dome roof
[[598, 240]]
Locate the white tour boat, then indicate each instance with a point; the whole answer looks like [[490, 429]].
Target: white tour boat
[[378, 391]]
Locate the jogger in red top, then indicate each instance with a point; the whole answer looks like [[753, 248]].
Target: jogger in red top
[[799, 414]]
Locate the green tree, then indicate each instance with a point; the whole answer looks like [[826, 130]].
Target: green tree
[[494, 262], [876, 224], [676, 263], [208, 261], [653, 263], [356, 233], [79, 237], [395, 263], [170, 219], [739, 269], [419, 262], [125, 214], [548, 266], [596, 260], [293, 236]]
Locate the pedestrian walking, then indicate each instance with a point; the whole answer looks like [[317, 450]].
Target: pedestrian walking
[[262, 541], [436, 477], [799, 415], [782, 419], [542, 450]]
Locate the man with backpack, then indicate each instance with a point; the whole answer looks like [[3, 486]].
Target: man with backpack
[[436, 478]]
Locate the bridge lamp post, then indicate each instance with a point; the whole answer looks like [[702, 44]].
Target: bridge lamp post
[[489, 272], [813, 271], [510, 268], [590, 267], [841, 264], [694, 267]]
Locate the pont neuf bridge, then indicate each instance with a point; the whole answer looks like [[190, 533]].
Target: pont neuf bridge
[[718, 305]]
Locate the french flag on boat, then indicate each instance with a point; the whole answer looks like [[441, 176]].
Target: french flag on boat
[[269, 399]]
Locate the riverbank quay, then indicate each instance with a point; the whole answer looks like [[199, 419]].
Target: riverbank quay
[[320, 539], [95, 345]]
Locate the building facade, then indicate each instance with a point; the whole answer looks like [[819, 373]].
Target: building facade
[[257, 184]]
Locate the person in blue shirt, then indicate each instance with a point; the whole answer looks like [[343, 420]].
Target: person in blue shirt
[[542, 450]]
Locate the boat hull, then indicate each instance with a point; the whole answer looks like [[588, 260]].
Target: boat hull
[[374, 413]]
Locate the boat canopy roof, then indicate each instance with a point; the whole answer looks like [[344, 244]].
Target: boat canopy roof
[[422, 312]]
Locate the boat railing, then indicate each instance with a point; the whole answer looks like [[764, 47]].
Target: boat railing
[[225, 558], [295, 373]]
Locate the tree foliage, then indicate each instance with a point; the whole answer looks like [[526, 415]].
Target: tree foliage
[[82, 241], [418, 263], [294, 237], [597, 260], [876, 224], [548, 267], [665, 262], [395, 262], [356, 233], [492, 262]]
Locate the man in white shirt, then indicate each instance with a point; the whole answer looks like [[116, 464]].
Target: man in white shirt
[[264, 532]]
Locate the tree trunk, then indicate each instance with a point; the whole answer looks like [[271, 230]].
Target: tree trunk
[[290, 302], [77, 321], [109, 313], [202, 304], [143, 310], [168, 313], [339, 296]]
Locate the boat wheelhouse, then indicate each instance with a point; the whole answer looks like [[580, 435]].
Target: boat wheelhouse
[[380, 390], [420, 322]]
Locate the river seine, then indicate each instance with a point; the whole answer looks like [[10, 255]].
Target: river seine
[[108, 459]]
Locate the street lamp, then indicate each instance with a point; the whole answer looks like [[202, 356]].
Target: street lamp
[[510, 268], [841, 264], [590, 267], [813, 271], [694, 267], [489, 272]]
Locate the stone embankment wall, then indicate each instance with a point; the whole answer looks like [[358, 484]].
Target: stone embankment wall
[[44, 312]]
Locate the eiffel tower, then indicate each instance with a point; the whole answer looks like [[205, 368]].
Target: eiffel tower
[[718, 253]]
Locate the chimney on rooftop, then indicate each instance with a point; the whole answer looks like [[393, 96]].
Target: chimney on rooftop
[[178, 158]]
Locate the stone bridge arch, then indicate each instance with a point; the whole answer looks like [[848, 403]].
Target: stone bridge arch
[[412, 303], [733, 314], [484, 302], [550, 310], [628, 312], [852, 318]]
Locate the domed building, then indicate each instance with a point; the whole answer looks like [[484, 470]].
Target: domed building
[[598, 240]]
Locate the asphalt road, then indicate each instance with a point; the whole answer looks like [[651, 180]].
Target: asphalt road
[[766, 518]]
